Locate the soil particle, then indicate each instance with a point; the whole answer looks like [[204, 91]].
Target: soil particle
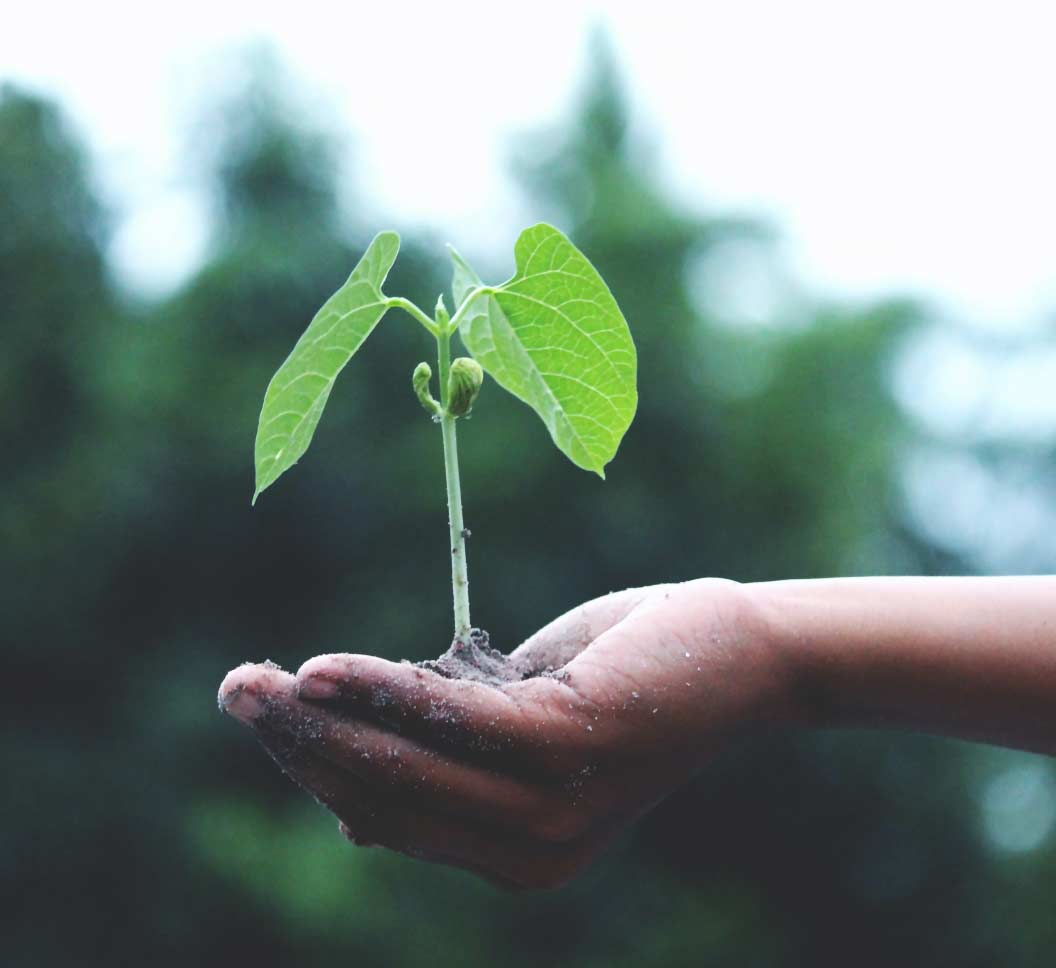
[[477, 661], [574, 785]]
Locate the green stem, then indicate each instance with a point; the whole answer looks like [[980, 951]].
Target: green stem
[[466, 303], [398, 302], [459, 573]]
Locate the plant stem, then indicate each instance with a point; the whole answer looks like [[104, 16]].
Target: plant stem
[[459, 573], [398, 302], [466, 303]]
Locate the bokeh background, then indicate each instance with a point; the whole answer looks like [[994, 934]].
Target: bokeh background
[[799, 417]]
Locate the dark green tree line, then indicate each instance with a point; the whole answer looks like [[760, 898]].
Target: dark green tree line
[[139, 824]]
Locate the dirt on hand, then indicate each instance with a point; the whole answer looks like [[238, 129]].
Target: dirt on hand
[[477, 661]]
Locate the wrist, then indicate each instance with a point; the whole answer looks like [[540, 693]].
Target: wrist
[[761, 668], [801, 696]]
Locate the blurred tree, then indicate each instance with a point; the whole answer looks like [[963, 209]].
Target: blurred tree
[[55, 298], [761, 454], [140, 826]]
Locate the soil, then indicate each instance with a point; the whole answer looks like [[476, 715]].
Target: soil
[[545, 656], [478, 662]]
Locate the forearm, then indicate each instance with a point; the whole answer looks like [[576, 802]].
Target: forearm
[[967, 657]]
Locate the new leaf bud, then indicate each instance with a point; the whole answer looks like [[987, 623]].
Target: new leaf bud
[[443, 317], [420, 381], [463, 384]]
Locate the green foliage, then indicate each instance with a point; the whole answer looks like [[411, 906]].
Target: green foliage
[[555, 338], [298, 392], [552, 335], [137, 578]]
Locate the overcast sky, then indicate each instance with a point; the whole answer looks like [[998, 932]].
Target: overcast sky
[[905, 147]]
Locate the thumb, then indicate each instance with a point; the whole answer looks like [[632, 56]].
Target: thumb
[[558, 643]]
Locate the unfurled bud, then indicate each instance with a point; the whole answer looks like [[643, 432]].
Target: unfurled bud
[[420, 381], [441, 313], [463, 385]]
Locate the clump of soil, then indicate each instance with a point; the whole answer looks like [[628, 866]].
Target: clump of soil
[[477, 661]]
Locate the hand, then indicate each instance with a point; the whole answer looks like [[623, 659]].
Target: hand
[[526, 782]]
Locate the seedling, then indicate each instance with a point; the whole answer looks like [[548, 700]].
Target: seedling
[[552, 335]]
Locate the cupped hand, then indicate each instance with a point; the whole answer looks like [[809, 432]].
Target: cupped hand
[[523, 782]]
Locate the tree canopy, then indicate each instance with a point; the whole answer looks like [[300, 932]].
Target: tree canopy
[[140, 826]]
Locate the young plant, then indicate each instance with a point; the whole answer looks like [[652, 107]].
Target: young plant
[[552, 335]]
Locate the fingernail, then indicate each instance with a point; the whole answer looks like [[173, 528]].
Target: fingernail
[[244, 706], [315, 687]]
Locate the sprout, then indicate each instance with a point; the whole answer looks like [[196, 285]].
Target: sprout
[[420, 381], [563, 348], [463, 385]]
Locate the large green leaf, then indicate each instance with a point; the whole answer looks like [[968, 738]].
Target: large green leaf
[[298, 392], [555, 338]]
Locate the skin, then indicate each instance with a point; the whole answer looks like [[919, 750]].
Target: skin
[[526, 783]]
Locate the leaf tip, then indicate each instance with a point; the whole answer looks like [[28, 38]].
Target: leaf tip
[[259, 487]]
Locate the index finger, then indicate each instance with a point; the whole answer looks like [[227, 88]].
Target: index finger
[[473, 716]]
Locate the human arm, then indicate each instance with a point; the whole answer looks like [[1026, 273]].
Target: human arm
[[973, 658], [525, 783]]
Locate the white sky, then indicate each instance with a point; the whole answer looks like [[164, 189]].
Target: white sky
[[897, 146]]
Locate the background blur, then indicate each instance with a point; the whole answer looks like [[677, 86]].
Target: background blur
[[833, 242]]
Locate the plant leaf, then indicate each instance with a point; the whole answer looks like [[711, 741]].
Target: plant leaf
[[464, 280], [298, 392], [554, 337]]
